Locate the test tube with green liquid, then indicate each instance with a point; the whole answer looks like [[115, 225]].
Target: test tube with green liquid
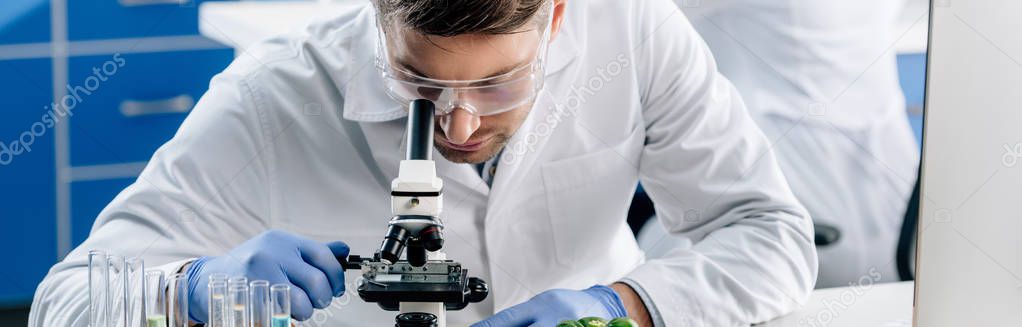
[[280, 305], [155, 299]]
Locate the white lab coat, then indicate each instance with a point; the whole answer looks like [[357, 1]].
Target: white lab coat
[[298, 135], [820, 78]]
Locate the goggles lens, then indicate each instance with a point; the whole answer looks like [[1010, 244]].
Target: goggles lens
[[481, 100], [484, 97]]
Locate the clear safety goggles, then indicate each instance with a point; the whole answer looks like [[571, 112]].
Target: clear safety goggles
[[481, 97]]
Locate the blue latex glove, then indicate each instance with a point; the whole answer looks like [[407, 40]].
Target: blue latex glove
[[310, 267], [553, 306]]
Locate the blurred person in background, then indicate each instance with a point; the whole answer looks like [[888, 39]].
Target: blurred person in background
[[820, 79]]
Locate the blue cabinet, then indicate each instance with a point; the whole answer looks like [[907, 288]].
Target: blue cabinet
[[88, 198], [24, 21], [27, 176], [55, 179], [112, 19], [912, 76], [139, 106]]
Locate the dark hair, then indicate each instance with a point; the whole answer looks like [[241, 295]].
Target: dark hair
[[458, 17]]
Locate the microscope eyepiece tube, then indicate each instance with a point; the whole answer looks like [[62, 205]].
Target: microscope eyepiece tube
[[420, 130]]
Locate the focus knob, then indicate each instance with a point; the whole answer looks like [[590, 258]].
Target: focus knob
[[477, 290]]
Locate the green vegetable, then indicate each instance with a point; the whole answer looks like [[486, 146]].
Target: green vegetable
[[569, 323], [593, 322], [622, 322]]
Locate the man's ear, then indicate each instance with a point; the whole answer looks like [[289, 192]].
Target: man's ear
[[555, 23]]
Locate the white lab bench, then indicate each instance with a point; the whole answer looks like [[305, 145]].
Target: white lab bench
[[241, 24], [865, 305]]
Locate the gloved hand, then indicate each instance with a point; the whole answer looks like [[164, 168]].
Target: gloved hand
[[550, 307], [310, 267]]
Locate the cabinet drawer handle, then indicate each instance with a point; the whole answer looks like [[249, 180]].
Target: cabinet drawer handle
[[176, 105], [138, 3]]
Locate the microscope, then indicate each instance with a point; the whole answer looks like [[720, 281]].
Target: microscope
[[425, 285]]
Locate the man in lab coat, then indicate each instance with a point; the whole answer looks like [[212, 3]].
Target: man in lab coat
[[552, 111], [820, 78]]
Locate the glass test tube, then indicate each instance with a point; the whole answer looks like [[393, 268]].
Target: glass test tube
[[134, 274], [237, 298], [218, 277], [217, 303], [99, 290], [177, 300], [155, 299], [117, 296], [237, 280], [259, 303], [280, 305], [221, 300]]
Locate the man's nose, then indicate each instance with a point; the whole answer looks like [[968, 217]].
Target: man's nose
[[459, 125]]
